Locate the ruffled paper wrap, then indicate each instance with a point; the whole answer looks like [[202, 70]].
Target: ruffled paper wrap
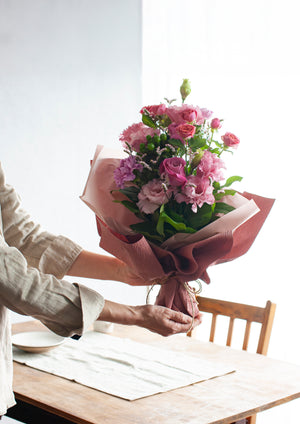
[[182, 258]]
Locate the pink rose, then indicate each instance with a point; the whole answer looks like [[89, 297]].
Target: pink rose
[[216, 124], [172, 129], [230, 140], [186, 131], [154, 110], [196, 191], [211, 166], [184, 114], [173, 169], [152, 195], [136, 134], [182, 131]]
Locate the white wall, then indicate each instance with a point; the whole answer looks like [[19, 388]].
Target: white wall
[[70, 78], [243, 62]]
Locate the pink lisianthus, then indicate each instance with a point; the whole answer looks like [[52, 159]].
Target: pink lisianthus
[[173, 169], [211, 166], [152, 195], [136, 134], [125, 170], [184, 114], [196, 191], [154, 110], [206, 113], [182, 131], [216, 124], [230, 140]]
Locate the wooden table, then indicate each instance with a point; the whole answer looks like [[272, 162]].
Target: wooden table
[[258, 384]]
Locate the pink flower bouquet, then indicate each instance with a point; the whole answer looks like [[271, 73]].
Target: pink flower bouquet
[[165, 208]]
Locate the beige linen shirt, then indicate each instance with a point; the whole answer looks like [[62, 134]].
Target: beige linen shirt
[[32, 265]]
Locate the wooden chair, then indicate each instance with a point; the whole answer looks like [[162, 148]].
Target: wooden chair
[[249, 313]]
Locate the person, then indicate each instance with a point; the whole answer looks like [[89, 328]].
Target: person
[[33, 264]]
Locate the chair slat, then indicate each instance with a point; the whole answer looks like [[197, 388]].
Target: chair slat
[[230, 331], [213, 328], [247, 335]]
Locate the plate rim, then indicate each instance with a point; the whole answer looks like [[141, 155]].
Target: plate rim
[[22, 345]]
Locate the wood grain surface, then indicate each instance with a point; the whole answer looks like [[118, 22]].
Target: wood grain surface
[[258, 384]]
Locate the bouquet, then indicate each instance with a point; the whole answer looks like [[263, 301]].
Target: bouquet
[[166, 208]]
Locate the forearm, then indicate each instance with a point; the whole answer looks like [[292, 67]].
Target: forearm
[[119, 313], [93, 265], [155, 318]]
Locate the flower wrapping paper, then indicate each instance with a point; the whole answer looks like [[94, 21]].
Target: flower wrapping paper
[[182, 260]]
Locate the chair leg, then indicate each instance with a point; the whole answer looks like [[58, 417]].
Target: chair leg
[[251, 420], [248, 420]]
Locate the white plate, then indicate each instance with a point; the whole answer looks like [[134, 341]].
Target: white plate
[[36, 341]]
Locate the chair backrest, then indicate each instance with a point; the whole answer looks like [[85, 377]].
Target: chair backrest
[[249, 313]]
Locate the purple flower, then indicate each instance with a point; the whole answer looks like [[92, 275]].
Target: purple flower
[[125, 170]]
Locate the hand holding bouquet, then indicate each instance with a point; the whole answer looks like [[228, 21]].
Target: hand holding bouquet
[[166, 209]]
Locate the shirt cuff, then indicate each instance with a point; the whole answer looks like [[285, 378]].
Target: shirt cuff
[[92, 304], [59, 256]]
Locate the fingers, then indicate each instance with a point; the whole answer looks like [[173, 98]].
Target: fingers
[[179, 317], [165, 321]]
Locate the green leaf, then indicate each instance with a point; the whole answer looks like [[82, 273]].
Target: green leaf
[[216, 150], [216, 185], [148, 121], [179, 226], [147, 230], [202, 217], [131, 192], [218, 144], [176, 143], [175, 216], [131, 206], [232, 180], [222, 207], [219, 196], [197, 142]]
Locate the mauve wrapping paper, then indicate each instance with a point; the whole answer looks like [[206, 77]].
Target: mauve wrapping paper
[[153, 263]]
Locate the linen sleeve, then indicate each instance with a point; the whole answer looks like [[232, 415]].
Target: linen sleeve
[[32, 265], [47, 252], [63, 307]]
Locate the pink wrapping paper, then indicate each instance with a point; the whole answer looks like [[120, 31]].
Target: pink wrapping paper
[[153, 263]]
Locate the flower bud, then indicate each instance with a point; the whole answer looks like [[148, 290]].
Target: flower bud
[[216, 124], [197, 158], [185, 89]]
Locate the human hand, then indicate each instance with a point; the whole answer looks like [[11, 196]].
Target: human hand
[[157, 319], [165, 321]]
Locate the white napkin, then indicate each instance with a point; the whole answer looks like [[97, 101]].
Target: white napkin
[[122, 367]]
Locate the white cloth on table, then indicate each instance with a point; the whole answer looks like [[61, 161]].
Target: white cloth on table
[[122, 367]]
